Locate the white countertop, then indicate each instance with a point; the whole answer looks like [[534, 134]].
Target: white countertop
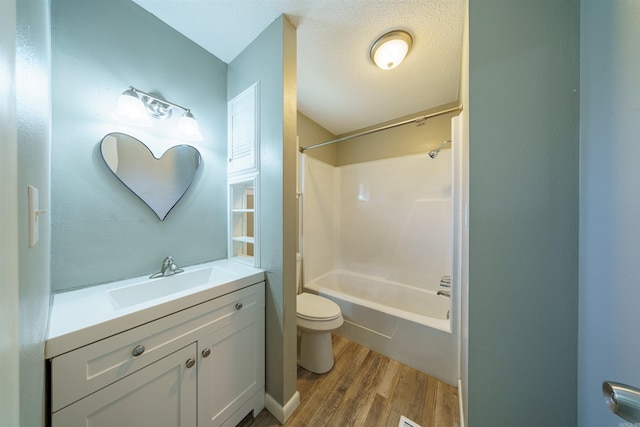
[[86, 315]]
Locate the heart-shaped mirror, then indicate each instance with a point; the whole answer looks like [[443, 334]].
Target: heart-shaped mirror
[[159, 182]]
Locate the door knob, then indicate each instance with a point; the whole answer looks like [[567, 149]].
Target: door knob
[[623, 400], [190, 363]]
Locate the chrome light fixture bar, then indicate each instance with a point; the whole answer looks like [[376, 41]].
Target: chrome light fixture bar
[[135, 107]]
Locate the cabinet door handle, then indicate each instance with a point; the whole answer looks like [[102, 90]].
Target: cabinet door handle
[[239, 306], [190, 363], [206, 352], [137, 351]]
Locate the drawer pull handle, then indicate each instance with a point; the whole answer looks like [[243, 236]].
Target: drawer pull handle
[[190, 363], [137, 351], [206, 352], [239, 306]]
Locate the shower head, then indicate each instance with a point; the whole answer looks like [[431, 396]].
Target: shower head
[[434, 153]]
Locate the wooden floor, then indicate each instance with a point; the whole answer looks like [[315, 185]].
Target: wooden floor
[[365, 388]]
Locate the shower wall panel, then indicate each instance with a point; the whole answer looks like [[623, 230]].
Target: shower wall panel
[[389, 218], [319, 228], [395, 219]]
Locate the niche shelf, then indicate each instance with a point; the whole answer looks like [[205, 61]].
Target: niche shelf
[[242, 221]]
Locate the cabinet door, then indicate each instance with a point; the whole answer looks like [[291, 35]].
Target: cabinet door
[[161, 394], [231, 371]]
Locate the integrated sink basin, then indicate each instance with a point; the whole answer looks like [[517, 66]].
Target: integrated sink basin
[[161, 287], [94, 312]]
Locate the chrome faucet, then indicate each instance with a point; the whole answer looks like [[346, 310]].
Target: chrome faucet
[[169, 268], [445, 282]]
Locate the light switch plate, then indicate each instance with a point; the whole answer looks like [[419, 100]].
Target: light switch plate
[[34, 213]]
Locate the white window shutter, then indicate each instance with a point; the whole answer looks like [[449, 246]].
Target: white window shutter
[[243, 131]]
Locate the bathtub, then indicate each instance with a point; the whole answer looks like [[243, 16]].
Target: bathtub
[[405, 323]]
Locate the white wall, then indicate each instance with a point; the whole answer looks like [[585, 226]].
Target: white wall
[[609, 345]]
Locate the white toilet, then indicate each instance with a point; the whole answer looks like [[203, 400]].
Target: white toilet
[[317, 318]]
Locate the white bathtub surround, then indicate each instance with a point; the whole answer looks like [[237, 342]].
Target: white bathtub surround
[[387, 218], [377, 239]]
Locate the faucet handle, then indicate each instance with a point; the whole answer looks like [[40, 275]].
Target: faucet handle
[[445, 281], [175, 269], [167, 262]]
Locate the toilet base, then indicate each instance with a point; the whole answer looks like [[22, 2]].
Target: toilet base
[[315, 352]]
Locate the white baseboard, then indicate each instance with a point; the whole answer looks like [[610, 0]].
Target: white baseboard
[[282, 413], [460, 402]]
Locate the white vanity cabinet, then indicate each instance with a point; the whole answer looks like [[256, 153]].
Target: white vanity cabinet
[[200, 366], [162, 394]]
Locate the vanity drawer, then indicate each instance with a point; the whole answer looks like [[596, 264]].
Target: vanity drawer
[[92, 367]]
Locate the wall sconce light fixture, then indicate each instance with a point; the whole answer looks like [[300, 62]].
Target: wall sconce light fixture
[[390, 49], [136, 107]]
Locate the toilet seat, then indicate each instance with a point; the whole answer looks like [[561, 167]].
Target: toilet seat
[[316, 308]]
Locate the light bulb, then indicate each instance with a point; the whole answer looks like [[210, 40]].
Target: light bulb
[[391, 49], [130, 109], [390, 54], [188, 127]]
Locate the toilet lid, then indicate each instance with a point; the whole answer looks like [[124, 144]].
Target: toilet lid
[[314, 307]]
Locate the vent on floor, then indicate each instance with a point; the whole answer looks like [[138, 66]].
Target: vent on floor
[[406, 422]]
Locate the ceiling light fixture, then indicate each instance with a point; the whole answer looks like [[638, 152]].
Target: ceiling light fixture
[[135, 107], [390, 50]]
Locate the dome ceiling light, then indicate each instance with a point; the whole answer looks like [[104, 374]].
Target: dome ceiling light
[[390, 50]]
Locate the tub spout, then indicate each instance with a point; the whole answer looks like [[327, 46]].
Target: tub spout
[[445, 282]]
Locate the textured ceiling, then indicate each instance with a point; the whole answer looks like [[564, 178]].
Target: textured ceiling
[[338, 86]]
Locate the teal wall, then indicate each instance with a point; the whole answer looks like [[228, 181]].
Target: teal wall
[[33, 135], [609, 204], [271, 60], [9, 265], [523, 230], [101, 231]]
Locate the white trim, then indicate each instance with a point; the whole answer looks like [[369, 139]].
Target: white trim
[[460, 403], [282, 413]]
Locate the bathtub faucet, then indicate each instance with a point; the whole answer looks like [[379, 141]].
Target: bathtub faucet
[[169, 268], [445, 281]]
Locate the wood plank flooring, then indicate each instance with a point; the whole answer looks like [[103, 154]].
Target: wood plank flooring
[[365, 388]]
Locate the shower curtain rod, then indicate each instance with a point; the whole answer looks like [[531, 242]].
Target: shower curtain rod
[[393, 125]]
